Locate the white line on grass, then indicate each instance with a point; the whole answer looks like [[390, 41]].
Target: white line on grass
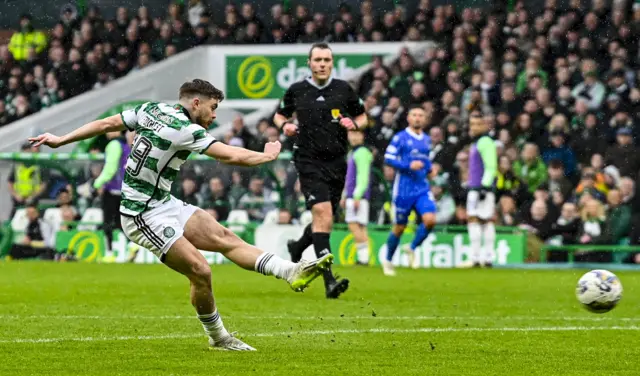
[[326, 332], [316, 318]]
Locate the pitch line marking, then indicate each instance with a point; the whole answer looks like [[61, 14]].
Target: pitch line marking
[[316, 318], [328, 332]]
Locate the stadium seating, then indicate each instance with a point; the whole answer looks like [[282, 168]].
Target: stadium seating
[[271, 218], [306, 218], [238, 217], [53, 216], [91, 219], [19, 221]]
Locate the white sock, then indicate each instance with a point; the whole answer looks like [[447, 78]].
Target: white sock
[[362, 250], [489, 241], [270, 264], [475, 237], [213, 326]]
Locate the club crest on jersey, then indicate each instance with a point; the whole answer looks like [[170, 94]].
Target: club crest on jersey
[[168, 232], [335, 113]]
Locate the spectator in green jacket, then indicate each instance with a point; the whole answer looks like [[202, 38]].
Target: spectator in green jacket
[[618, 218], [530, 168], [532, 69]]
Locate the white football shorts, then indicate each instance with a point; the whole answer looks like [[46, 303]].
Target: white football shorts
[[360, 216], [157, 229], [483, 209]]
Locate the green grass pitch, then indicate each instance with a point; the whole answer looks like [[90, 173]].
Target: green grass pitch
[[91, 319]]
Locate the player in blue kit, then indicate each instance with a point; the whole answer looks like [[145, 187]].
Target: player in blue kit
[[408, 153]]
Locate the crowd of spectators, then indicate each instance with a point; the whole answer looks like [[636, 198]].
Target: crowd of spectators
[[39, 68], [558, 87]]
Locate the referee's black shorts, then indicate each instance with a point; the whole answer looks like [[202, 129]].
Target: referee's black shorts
[[322, 181]]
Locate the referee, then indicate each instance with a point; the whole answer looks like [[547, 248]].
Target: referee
[[326, 109], [110, 184]]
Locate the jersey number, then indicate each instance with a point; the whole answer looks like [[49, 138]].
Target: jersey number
[[139, 154]]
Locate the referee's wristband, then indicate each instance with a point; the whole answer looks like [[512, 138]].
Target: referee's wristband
[[355, 124], [285, 123], [353, 121]]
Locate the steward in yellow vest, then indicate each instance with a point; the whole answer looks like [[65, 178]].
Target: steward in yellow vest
[[27, 182], [21, 41]]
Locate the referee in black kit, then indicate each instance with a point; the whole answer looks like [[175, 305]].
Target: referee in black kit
[[326, 109]]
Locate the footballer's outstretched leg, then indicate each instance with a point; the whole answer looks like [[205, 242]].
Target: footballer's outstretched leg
[[205, 233], [201, 231]]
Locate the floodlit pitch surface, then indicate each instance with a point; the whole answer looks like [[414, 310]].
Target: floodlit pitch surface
[[89, 319]]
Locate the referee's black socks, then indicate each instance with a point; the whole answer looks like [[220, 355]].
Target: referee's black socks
[[322, 247], [305, 240]]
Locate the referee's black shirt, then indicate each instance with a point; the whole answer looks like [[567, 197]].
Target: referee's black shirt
[[318, 109]]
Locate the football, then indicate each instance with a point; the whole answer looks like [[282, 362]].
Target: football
[[599, 291]]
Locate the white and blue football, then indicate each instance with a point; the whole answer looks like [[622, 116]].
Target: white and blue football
[[599, 291]]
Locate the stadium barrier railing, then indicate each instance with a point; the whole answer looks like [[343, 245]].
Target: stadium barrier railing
[[619, 251]]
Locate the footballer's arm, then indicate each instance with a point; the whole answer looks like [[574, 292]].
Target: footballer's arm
[[234, 155], [95, 128]]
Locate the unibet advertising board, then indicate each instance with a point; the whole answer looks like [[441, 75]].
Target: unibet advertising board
[[439, 250], [269, 76]]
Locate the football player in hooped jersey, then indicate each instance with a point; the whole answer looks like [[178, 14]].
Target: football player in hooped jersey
[[175, 231], [408, 153]]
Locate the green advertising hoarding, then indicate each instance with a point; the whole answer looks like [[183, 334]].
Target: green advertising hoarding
[[269, 76], [439, 250], [87, 246]]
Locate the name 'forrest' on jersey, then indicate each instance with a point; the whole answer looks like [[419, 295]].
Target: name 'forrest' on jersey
[[165, 137]]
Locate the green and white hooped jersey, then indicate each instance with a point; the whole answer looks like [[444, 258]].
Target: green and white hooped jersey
[[165, 137]]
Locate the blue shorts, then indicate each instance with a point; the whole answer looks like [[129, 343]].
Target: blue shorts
[[422, 204]]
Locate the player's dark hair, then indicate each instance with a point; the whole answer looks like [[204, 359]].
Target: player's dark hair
[[475, 114], [320, 46], [415, 107], [200, 87]]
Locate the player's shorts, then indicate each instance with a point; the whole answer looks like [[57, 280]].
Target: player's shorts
[[157, 229], [322, 181], [404, 204], [360, 216], [483, 209]]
